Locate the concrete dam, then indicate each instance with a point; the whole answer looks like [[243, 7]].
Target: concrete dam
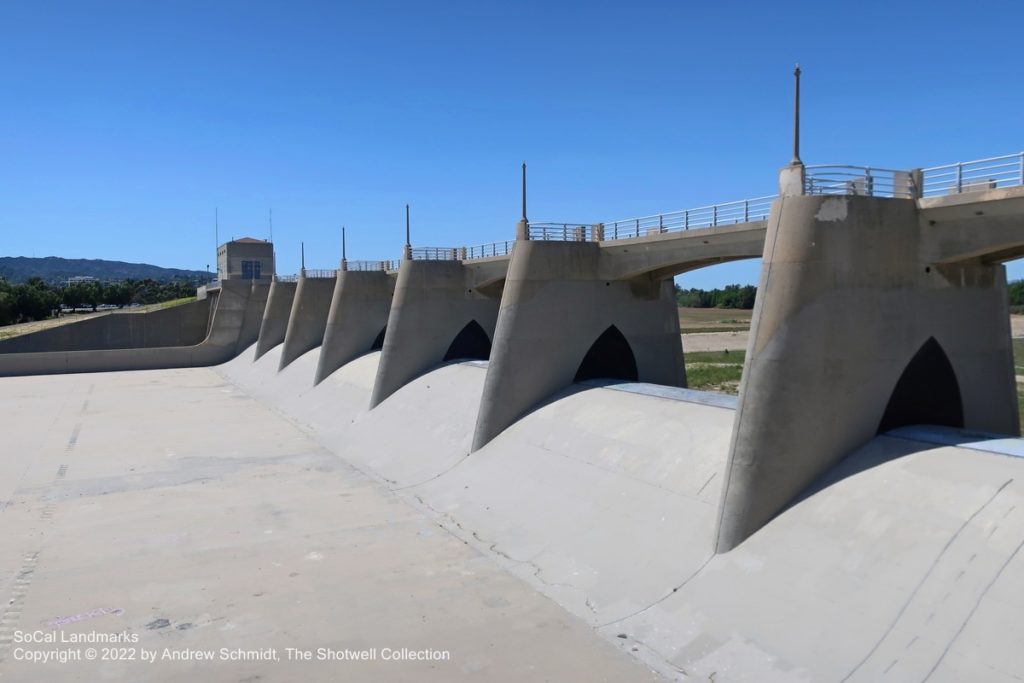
[[493, 450]]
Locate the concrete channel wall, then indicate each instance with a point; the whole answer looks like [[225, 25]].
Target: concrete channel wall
[[182, 325], [221, 344]]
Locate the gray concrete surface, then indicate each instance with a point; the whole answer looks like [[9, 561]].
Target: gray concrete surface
[[228, 307], [308, 318], [125, 515], [274, 325], [433, 302], [903, 563], [555, 306], [182, 325], [359, 313], [849, 293]]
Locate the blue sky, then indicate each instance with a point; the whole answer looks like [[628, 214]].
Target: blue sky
[[124, 124]]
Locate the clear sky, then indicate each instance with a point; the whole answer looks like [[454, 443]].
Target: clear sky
[[123, 125]]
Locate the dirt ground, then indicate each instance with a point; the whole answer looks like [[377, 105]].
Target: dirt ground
[[737, 340]]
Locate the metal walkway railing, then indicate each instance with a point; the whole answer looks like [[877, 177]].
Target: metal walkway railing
[[969, 176], [319, 273], [715, 215], [370, 266], [859, 180], [479, 251]]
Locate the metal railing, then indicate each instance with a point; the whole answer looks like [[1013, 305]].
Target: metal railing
[[864, 181], [970, 176], [562, 232], [434, 253], [488, 250], [715, 215], [370, 266], [286, 278], [319, 273]]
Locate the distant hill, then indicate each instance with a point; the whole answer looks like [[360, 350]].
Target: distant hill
[[54, 269]]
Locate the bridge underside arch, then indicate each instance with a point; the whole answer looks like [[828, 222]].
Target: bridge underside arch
[[609, 357], [470, 342], [378, 342], [926, 393]]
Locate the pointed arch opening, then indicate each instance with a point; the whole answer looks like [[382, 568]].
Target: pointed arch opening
[[926, 393], [378, 343], [471, 342], [610, 357]]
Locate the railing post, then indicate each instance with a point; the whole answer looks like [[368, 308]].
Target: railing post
[[746, 210], [959, 177], [686, 219], [661, 223], [869, 183], [714, 215]]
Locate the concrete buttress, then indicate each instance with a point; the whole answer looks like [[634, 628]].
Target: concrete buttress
[[858, 329], [558, 313], [357, 319], [308, 318], [275, 316], [435, 304]]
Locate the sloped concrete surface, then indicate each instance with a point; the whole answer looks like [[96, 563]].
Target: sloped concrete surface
[[902, 564], [172, 506]]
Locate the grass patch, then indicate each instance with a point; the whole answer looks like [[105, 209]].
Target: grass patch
[[714, 370], [729, 357]]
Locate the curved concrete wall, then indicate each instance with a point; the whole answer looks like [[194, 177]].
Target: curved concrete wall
[[554, 307], [847, 297], [220, 345], [274, 325], [433, 301], [308, 317], [181, 325], [359, 311]]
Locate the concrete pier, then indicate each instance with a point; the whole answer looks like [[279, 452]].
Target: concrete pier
[[436, 304], [357, 319], [863, 323], [561, 321], [253, 319], [308, 318], [274, 325]]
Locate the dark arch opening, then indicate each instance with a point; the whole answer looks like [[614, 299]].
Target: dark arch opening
[[927, 392], [608, 358], [471, 342], [378, 343]]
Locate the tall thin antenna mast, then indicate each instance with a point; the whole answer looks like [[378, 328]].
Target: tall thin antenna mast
[[796, 118], [524, 192], [407, 242]]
